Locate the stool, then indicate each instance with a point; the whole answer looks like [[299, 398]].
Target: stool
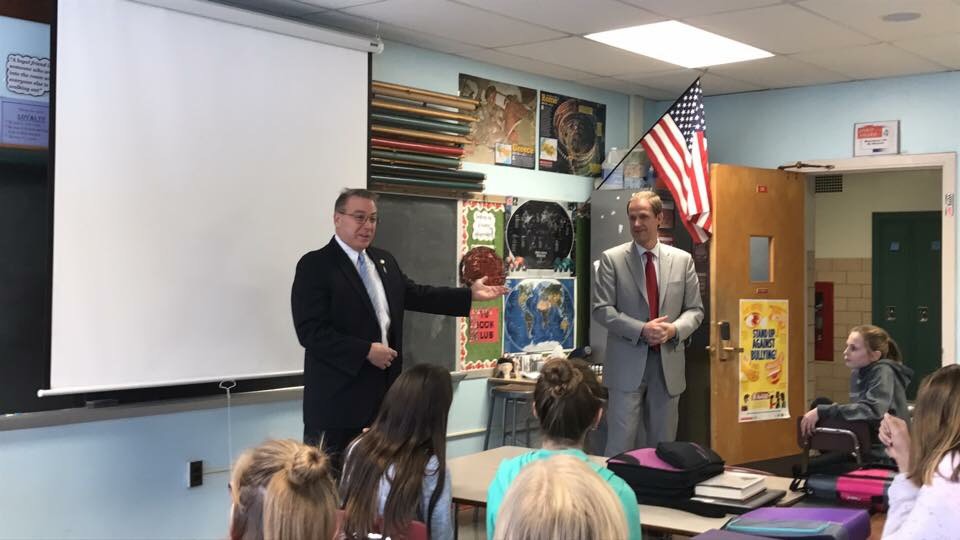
[[512, 394]]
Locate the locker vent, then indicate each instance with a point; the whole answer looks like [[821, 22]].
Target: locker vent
[[828, 183]]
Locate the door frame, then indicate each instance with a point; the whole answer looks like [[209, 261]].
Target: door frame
[[946, 162]]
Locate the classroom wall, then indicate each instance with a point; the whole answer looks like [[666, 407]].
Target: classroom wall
[[844, 221], [770, 128], [127, 478], [412, 66]]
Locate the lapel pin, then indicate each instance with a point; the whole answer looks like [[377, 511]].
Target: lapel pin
[[383, 265]]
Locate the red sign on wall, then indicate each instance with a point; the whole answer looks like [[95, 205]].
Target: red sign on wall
[[823, 320], [485, 325]]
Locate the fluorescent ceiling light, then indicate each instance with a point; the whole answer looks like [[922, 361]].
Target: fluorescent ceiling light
[[680, 44]]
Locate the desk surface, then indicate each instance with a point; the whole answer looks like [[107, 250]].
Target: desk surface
[[472, 474], [522, 380]]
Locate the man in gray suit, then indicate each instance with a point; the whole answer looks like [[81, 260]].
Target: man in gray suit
[[644, 366]]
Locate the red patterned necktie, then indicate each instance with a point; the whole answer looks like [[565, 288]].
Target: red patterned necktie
[[653, 291]]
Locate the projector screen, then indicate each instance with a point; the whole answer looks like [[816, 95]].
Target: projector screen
[[195, 161]]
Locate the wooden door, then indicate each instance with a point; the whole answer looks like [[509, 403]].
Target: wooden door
[[753, 209], [906, 287]]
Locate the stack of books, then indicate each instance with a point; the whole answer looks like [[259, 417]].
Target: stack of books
[[736, 492]]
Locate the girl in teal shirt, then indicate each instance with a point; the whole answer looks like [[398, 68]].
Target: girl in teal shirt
[[567, 403]]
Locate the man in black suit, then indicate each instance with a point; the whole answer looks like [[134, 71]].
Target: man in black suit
[[348, 301]]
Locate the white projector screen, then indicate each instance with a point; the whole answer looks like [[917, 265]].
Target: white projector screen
[[196, 161]]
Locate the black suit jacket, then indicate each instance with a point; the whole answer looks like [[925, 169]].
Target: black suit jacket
[[336, 323]]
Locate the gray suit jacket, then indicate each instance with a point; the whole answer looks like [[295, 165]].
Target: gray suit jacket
[[620, 304]]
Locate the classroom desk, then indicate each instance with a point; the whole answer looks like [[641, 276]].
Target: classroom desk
[[472, 474], [497, 381]]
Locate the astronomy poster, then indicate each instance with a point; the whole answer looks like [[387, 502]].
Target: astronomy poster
[[505, 130], [539, 237], [571, 135], [764, 361], [480, 247]]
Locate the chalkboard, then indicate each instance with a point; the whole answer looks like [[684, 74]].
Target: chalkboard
[[421, 234]]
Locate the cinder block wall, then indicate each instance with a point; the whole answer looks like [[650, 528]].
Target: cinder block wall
[[852, 305]]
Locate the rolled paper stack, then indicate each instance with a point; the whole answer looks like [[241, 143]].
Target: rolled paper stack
[[416, 141]]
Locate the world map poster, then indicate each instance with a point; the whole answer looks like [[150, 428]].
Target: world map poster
[[539, 314]]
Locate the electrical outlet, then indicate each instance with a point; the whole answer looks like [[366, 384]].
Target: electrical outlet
[[195, 474]]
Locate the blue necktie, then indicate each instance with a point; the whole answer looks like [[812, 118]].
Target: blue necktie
[[376, 298]]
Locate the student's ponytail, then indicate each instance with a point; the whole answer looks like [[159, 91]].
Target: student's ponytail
[[877, 339]]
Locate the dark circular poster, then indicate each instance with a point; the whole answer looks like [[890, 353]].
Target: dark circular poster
[[540, 233]]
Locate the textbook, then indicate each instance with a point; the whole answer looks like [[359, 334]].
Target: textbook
[[731, 485]]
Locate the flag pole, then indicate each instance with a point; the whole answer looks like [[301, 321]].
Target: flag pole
[[647, 132]]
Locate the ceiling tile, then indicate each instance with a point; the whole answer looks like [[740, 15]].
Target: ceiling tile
[[679, 9], [521, 63], [585, 55], [778, 72], [283, 8], [571, 16], [780, 29], [937, 16], [943, 49], [678, 81], [367, 27], [626, 87], [454, 21], [871, 62]]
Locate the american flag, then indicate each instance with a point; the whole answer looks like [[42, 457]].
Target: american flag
[[677, 146]]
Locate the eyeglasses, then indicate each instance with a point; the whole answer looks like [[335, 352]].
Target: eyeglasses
[[362, 219]]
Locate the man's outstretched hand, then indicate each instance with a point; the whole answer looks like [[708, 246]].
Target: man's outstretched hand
[[480, 291]]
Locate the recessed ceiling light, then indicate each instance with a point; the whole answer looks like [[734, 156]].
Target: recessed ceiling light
[[901, 16], [680, 44]]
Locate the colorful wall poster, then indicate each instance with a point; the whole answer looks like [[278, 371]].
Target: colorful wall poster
[[764, 361], [539, 314], [505, 130], [539, 237], [480, 252], [572, 133], [25, 90]]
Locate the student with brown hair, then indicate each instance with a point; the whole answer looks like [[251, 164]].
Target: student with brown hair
[[397, 471], [925, 496], [567, 403], [560, 497], [282, 490], [878, 382]]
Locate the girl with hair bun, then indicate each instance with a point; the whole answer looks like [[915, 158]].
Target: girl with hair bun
[[568, 403], [282, 490]]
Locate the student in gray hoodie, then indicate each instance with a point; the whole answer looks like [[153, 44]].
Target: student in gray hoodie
[[878, 383]]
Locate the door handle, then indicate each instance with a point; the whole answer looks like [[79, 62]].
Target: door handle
[[923, 314], [724, 349]]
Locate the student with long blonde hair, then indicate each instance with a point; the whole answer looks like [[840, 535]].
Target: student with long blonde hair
[[560, 497], [567, 402], [925, 496], [282, 490]]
